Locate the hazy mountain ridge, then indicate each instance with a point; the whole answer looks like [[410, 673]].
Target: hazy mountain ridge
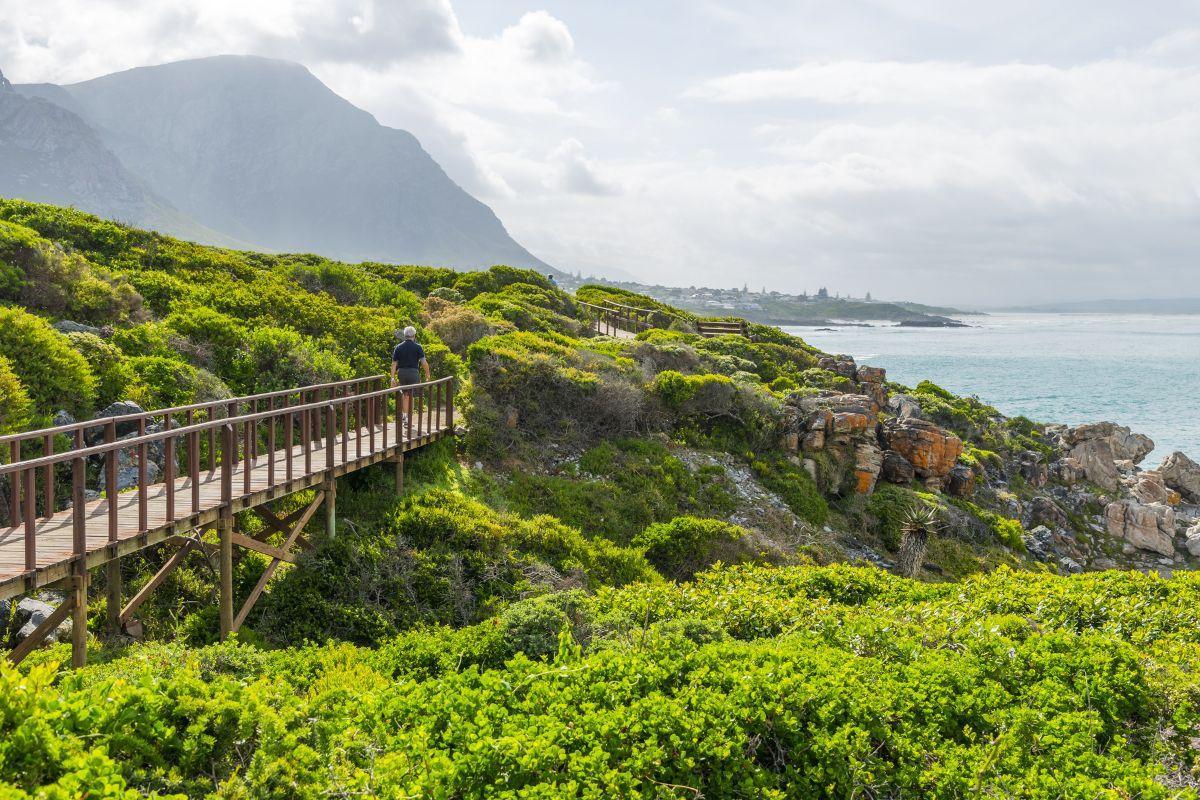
[[261, 152]]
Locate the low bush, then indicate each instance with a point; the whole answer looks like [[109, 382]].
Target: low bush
[[281, 358], [798, 682], [458, 326], [619, 487], [162, 382], [686, 545], [113, 372], [15, 406], [889, 505], [794, 486], [54, 374], [439, 557]]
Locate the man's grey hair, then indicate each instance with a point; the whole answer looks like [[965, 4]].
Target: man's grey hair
[[410, 332]]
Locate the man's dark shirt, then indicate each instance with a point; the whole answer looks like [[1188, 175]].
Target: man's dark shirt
[[408, 354]]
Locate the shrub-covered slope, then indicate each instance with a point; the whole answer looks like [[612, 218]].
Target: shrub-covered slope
[[625, 578]]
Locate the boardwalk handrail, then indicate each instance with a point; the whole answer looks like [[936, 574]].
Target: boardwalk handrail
[[618, 317], [307, 425], [194, 407]]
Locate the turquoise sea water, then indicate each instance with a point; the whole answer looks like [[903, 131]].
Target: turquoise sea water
[[1140, 371]]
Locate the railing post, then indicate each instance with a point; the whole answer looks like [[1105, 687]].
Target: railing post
[[14, 511], [228, 454], [330, 427], [450, 406], [30, 522], [225, 529], [110, 479], [169, 469], [142, 489], [48, 476], [79, 550]]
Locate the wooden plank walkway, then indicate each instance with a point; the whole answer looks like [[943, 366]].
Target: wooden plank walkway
[[54, 535]]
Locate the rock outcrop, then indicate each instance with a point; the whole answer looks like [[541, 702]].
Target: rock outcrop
[[1098, 446], [1183, 475], [1145, 527], [932, 451]]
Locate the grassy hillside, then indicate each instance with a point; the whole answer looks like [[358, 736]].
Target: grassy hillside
[[626, 578]]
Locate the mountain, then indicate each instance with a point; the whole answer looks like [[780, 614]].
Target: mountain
[[258, 151], [49, 154]]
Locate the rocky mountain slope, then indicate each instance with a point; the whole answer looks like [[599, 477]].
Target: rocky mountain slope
[[259, 152], [49, 154]]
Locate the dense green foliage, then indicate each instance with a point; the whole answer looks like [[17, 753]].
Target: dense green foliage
[[796, 682], [52, 373], [604, 589]]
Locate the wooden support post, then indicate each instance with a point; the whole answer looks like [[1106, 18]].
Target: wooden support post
[[112, 580], [400, 473], [329, 488], [225, 531], [79, 615]]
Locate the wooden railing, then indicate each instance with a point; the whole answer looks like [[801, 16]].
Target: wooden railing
[[611, 317], [210, 437]]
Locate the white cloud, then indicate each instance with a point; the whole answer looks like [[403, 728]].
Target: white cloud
[[926, 149], [576, 173], [69, 40]]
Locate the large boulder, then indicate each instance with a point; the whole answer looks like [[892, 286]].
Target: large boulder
[[904, 406], [932, 450], [1044, 511], [1148, 487], [896, 469], [1183, 475], [868, 461], [68, 326], [1146, 527], [1098, 446], [120, 408], [1193, 540], [872, 381], [32, 612], [960, 481]]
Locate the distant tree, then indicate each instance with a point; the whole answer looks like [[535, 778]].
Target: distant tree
[[822, 293], [868, 296]]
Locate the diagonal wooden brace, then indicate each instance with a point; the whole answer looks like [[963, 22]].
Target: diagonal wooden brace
[[293, 535], [166, 569], [283, 525]]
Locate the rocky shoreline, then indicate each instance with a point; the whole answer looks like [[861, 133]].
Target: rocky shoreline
[[1084, 499]]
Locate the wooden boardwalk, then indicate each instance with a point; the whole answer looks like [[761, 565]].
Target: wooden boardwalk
[[230, 456], [55, 535]]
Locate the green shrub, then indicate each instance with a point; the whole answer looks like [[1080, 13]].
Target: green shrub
[[15, 405], [620, 487], [108, 364], [42, 275], [448, 293], [52, 372], [280, 358], [162, 382], [794, 486], [889, 505], [220, 335], [685, 545]]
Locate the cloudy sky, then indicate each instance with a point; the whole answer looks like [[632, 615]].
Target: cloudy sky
[[937, 150]]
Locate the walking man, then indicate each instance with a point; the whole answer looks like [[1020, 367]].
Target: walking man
[[408, 360]]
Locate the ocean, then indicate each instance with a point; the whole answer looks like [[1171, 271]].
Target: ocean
[[1137, 370]]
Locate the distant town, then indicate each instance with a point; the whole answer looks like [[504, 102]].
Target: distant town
[[821, 307]]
